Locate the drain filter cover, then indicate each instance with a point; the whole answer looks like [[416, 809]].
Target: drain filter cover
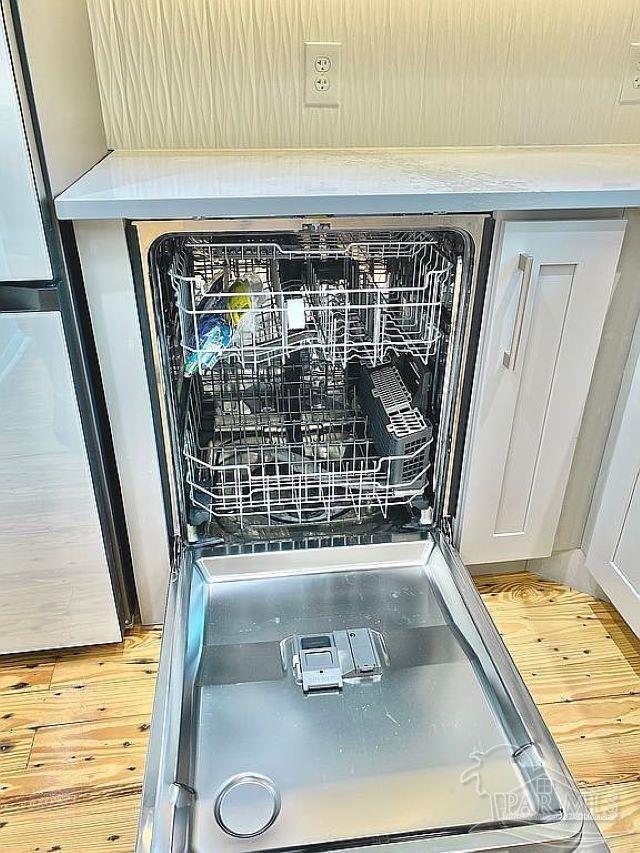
[[247, 805]]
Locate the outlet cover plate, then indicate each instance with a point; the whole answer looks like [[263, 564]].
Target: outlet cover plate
[[322, 73], [630, 91]]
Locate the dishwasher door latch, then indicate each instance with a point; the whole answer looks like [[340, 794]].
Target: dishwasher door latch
[[321, 662]]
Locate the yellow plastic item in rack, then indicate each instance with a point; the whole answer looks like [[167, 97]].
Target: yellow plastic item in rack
[[240, 296]]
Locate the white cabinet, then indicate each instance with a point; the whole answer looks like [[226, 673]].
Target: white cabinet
[[548, 294], [613, 554]]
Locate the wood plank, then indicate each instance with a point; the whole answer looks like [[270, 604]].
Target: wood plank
[[576, 657], [79, 763], [570, 623], [15, 748], [624, 843], [33, 788], [76, 703], [603, 761], [616, 808], [526, 588], [102, 667], [598, 738], [521, 622], [105, 826], [136, 657], [138, 654], [571, 648], [607, 717], [569, 668], [19, 673], [77, 742], [549, 682], [620, 632], [143, 643]]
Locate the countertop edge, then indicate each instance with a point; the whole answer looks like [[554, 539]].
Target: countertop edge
[[482, 201]]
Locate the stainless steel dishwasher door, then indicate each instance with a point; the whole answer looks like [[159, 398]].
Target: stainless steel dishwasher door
[[409, 727]]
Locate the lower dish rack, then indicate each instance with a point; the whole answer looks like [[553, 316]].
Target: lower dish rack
[[290, 444]]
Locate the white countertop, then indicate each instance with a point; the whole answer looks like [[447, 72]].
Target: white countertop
[[186, 184]]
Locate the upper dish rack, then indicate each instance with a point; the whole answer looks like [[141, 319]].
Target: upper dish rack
[[348, 298]]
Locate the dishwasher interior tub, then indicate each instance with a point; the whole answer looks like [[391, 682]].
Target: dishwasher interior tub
[[329, 678], [271, 434]]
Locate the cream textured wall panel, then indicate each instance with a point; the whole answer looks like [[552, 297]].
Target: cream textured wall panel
[[228, 73]]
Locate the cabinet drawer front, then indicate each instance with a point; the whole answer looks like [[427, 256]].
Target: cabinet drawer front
[[551, 285]]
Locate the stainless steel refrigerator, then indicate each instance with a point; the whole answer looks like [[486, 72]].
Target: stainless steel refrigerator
[[64, 566]]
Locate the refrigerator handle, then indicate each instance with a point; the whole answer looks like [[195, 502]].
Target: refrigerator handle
[[525, 264], [31, 297]]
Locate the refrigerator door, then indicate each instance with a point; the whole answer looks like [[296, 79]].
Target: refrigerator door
[[24, 255], [55, 582], [346, 697]]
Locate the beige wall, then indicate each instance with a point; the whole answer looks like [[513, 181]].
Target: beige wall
[[227, 73]]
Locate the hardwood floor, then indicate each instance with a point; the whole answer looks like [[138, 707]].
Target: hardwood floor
[[74, 725]]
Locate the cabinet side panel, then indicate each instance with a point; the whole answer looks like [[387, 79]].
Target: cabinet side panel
[[613, 352], [614, 522], [110, 291]]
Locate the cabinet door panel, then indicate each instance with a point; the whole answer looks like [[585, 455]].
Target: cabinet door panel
[[549, 302], [542, 328], [625, 556], [613, 554]]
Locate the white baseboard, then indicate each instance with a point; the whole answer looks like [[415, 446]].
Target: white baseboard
[[568, 567], [497, 568]]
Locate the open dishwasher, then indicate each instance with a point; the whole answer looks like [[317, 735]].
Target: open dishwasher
[[329, 678]]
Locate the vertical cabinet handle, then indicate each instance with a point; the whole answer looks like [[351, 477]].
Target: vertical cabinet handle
[[525, 264]]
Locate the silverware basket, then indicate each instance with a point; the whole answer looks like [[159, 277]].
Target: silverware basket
[[398, 429]]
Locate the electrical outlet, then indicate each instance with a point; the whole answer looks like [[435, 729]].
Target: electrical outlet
[[322, 73], [630, 91]]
